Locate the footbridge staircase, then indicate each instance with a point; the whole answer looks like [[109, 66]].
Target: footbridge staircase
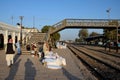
[[37, 37]]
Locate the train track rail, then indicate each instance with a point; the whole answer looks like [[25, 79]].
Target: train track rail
[[100, 49], [105, 67]]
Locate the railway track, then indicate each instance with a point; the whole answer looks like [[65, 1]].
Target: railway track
[[102, 50], [103, 66]]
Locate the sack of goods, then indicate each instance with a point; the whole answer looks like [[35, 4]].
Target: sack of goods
[[54, 62], [32, 52]]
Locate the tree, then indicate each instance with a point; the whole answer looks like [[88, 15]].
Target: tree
[[110, 34], [93, 34], [45, 29], [55, 36], [76, 40], [83, 33]]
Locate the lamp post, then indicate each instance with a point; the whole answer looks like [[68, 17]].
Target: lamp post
[[12, 20], [117, 37], [21, 19], [108, 11]]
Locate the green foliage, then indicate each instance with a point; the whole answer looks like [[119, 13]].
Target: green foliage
[[78, 40], [83, 33], [55, 36], [45, 29], [94, 34], [110, 34]]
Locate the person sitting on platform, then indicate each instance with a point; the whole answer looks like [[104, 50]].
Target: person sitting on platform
[[45, 47]]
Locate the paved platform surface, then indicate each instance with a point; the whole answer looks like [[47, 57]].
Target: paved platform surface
[[27, 67]]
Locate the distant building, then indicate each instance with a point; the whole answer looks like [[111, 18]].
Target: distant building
[[31, 30]]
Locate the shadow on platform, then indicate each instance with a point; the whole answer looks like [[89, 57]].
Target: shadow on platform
[[13, 70], [16, 57], [30, 71], [69, 75]]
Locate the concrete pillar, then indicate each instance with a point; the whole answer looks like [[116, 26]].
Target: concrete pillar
[[27, 39], [19, 36], [13, 37], [23, 36], [6, 37]]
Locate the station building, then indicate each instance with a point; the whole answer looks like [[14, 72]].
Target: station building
[[7, 30]]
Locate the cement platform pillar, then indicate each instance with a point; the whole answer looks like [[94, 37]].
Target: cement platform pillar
[[6, 37], [13, 37]]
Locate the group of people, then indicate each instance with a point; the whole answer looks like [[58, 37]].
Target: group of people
[[61, 45], [47, 56], [39, 52], [45, 53], [109, 44], [50, 59], [32, 48], [44, 50], [11, 49]]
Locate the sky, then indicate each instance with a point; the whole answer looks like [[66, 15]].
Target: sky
[[39, 13]]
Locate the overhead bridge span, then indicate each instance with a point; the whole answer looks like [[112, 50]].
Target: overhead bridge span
[[86, 23]]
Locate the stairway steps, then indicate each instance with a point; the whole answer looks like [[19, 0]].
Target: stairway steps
[[37, 37]]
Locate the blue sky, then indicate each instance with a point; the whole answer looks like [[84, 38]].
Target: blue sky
[[49, 12]]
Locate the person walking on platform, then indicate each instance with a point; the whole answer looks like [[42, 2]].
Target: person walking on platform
[[10, 51], [18, 48]]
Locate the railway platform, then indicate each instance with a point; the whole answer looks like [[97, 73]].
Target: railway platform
[[27, 67]]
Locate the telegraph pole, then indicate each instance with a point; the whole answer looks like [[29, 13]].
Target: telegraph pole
[[33, 21], [108, 12], [21, 19], [12, 20]]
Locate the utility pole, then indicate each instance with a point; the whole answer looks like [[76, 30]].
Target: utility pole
[[108, 11], [117, 37], [12, 19], [33, 21], [21, 19]]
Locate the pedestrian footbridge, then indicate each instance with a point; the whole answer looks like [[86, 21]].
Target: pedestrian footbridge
[[15, 32], [86, 23]]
